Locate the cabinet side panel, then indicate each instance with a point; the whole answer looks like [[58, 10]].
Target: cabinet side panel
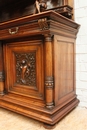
[[63, 69]]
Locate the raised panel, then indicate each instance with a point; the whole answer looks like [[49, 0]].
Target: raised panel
[[24, 68]]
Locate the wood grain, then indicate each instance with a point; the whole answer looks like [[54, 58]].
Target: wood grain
[[39, 66]]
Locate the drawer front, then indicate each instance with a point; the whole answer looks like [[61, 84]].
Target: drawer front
[[20, 31], [24, 68]]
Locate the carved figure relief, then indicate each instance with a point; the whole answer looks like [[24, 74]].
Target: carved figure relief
[[26, 69], [40, 6]]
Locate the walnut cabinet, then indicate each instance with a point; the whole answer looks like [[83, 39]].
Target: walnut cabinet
[[37, 66]]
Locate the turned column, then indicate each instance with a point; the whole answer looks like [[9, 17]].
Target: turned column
[[49, 81], [1, 71]]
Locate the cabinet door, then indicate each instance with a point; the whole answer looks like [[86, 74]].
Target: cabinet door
[[24, 68]]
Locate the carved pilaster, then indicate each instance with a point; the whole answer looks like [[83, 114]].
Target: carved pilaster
[[1, 83], [49, 83], [1, 71]]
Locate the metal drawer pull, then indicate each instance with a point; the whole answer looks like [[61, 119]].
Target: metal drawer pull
[[13, 32]]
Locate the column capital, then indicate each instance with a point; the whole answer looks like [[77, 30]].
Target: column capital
[[48, 37]]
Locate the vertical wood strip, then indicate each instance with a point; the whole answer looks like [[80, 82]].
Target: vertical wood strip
[[1, 71], [49, 82]]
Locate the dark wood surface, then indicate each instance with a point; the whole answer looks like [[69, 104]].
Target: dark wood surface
[[38, 60]]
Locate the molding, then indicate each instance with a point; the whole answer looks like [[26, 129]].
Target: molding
[[48, 37], [49, 82], [2, 78]]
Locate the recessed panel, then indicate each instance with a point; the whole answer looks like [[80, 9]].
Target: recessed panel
[[63, 69], [25, 68]]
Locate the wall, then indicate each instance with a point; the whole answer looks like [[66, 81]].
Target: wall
[[80, 8]]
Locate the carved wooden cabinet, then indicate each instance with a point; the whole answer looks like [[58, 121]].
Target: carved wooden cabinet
[[37, 66]]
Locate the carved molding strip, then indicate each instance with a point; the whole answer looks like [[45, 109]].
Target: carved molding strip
[[43, 24], [26, 68], [2, 77], [48, 37], [49, 83]]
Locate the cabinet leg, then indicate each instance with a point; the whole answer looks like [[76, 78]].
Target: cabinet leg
[[47, 126]]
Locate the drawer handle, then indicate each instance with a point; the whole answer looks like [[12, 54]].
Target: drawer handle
[[14, 32]]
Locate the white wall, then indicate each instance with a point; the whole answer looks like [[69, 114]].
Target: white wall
[[80, 7]]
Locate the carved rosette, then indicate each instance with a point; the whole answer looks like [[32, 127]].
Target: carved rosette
[[49, 84], [26, 68]]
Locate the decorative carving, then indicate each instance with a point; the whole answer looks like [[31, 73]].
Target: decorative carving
[[1, 84], [49, 83], [65, 11], [43, 24], [26, 68], [1, 77], [48, 37], [40, 6], [13, 32]]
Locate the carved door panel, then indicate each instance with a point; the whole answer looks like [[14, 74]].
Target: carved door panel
[[24, 71]]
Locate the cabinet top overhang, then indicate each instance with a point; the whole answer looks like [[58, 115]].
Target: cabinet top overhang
[[50, 15]]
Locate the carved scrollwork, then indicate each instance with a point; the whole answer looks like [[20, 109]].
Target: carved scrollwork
[[26, 69], [43, 24]]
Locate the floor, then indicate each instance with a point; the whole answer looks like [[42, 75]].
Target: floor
[[76, 120]]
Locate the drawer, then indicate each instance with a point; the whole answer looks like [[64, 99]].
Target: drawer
[[20, 31]]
